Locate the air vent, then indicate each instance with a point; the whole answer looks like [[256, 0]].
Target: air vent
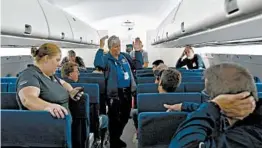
[[231, 6], [28, 29]]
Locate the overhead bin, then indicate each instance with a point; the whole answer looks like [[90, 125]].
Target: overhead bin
[[96, 39], [214, 22], [79, 29], [23, 18], [59, 27]]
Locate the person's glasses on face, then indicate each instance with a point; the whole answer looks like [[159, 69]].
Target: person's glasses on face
[[205, 94]]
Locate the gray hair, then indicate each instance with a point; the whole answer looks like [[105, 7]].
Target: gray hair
[[229, 78], [113, 40]]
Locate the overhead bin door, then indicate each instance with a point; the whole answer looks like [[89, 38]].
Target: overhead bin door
[[23, 18], [80, 32], [91, 37], [59, 27], [197, 15]]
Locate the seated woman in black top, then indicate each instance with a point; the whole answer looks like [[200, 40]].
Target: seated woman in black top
[[39, 89], [192, 60]]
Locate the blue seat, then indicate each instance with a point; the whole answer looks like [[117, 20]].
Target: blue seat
[[153, 88], [12, 87], [94, 80], [34, 129], [91, 89], [259, 87], [257, 80], [194, 87], [92, 75], [259, 95], [157, 129], [150, 74], [142, 80], [8, 101], [193, 79], [157, 100], [187, 74], [144, 71], [4, 87], [8, 80]]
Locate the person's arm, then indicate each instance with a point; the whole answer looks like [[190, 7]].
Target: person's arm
[[145, 58], [189, 106], [180, 63], [66, 85], [99, 59], [198, 127], [185, 107], [28, 89], [81, 63], [200, 62]]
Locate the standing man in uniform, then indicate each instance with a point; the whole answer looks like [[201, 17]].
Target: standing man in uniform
[[192, 60], [118, 71], [138, 46]]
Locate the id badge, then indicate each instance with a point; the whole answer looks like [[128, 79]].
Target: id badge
[[194, 64], [126, 75]]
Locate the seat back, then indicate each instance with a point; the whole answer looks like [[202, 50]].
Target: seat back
[[259, 87], [142, 80], [12, 87], [34, 129], [157, 129], [153, 88], [8, 79], [157, 100], [91, 89], [193, 79], [194, 87], [8, 101], [4, 87]]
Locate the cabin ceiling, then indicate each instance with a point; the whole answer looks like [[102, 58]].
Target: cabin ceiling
[[96, 12]]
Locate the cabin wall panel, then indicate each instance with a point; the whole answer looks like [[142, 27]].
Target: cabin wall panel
[[12, 65]]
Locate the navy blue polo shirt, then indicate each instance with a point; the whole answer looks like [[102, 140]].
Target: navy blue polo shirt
[[123, 72]]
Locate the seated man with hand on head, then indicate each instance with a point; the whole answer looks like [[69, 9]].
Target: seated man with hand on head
[[232, 121], [70, 74], [190, 59]]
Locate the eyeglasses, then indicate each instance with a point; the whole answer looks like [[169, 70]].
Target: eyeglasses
[[205, 94]]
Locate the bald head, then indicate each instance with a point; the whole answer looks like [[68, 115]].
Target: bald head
[[229, 78]]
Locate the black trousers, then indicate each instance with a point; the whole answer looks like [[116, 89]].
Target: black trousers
[[118, 113], [79, 125]]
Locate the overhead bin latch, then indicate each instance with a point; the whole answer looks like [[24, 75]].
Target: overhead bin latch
[[183, 27], [62, 35], [28, 29], [166, 34], [81, 39], [231, 6]]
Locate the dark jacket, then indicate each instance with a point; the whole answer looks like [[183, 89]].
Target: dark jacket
[[107, 63], [78, 61], [205, 126], [195, 63]]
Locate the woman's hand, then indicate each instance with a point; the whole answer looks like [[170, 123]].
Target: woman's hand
[[56, 110], [76, 93]]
